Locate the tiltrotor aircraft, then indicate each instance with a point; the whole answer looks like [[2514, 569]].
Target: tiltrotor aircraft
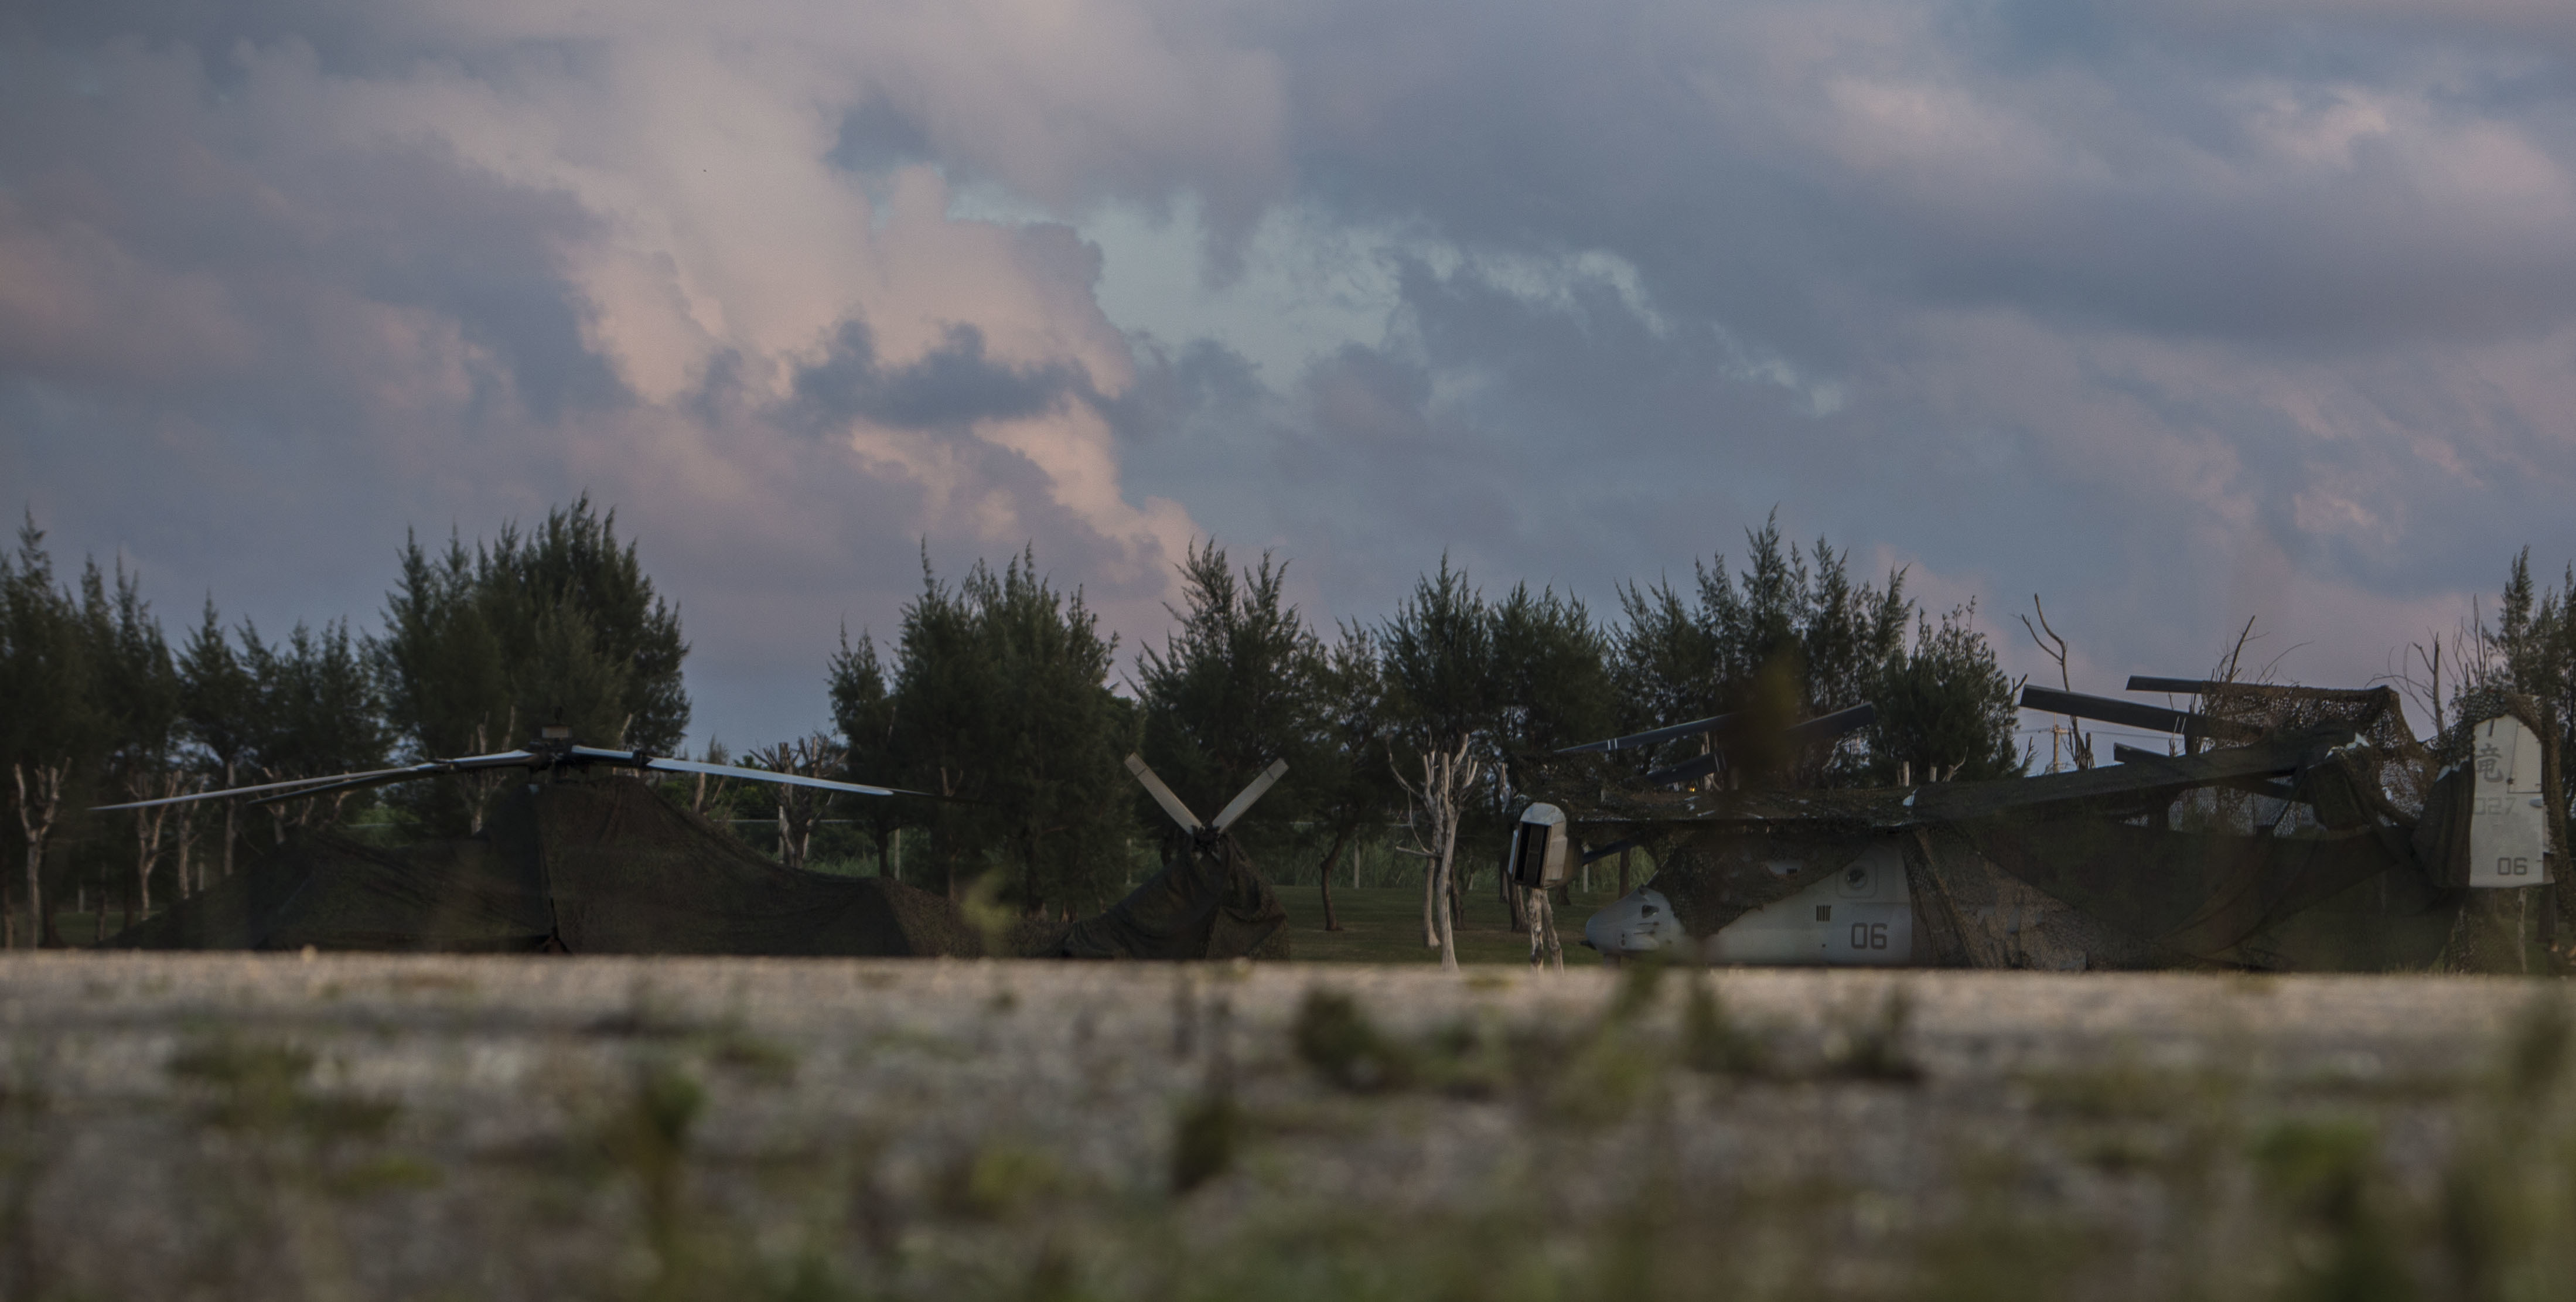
[[2300, 828]]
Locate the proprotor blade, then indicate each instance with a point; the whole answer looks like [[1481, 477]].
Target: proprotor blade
[[1826, 727], [2107, 710], [1243, 801], [1689, 770], [656, 762], [2213, 687], [1163, 795], [424, 769], [330, 780]]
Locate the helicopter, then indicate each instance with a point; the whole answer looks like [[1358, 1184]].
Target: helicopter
[[2296, 828], [584, 858]]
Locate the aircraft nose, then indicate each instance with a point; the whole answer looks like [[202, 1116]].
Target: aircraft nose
[[1637, 923]]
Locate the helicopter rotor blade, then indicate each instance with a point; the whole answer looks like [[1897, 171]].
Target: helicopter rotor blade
[[1163, 795], [1243, 800]]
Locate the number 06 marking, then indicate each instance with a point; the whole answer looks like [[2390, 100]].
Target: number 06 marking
[[1869, 935]]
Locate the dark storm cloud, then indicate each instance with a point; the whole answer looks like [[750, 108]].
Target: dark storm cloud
[[876, 136], [953, 385]]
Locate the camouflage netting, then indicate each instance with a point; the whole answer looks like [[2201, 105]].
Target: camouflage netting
[[332, 893], [2357, 862], [2076, 893], [611, 866], [2395, 764], [2153, 897], [633, 873], [1206, 903]]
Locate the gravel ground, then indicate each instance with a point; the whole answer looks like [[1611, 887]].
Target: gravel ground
[[344, 1126]]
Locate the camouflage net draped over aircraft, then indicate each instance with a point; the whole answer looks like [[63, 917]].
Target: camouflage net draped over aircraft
[[607, 865], [2293, 828]]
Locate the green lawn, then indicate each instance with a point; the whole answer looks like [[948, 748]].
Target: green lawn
[[1385, 926]]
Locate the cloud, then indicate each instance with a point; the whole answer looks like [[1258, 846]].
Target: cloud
[[954, 384], [2169, 311], [278, 292]]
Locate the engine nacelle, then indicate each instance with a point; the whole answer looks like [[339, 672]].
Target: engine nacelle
[[1542, 848]]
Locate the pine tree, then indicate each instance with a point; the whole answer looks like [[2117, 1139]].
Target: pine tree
[[482, 648], [1349, 780], [319, 712], [863, 715], [218, 705], [52, 730], [139, 697], [1945, 709], [1552, 681], [1235, 687], [1789, 637], [1055, 734], [1001, 696]]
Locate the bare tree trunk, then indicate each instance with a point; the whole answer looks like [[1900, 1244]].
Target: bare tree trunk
[[1445, 780], [1545, 949], [800, 808], [230, 831], [187, 843], [1456, 875], [1430, 900], [147, 851], [2054, 646], [481, 787], [1447, 914], [149, 827], [37, 809], [1324, 878]]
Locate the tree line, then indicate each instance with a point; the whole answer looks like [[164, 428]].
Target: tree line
[[1424, 731]]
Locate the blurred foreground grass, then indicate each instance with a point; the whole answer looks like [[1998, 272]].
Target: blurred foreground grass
[[228, 1127]]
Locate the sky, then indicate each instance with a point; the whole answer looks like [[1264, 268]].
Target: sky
[[2174, 314]]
